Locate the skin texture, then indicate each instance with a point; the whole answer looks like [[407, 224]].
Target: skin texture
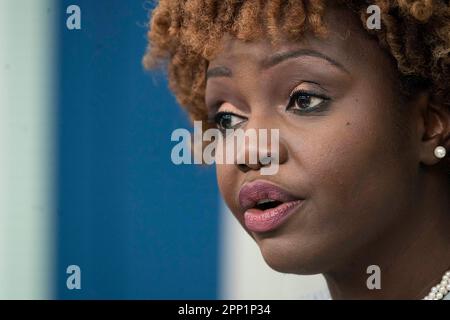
[[374, 192]]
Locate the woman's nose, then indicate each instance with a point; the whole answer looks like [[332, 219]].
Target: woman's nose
[[259, 153]]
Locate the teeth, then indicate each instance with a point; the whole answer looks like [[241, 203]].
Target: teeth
[[264, 201]]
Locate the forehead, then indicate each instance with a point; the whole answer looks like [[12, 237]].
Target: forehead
[[346, 40]]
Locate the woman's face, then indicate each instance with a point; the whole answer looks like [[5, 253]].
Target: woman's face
[[341, 149]]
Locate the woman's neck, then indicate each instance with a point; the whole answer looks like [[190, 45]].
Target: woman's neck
[[412, 256]]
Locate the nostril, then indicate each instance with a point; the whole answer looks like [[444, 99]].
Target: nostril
[[243, 167]]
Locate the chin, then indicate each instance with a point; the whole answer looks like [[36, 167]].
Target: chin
[[287, 256]]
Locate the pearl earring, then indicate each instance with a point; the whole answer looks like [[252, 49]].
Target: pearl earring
[[440, 152]]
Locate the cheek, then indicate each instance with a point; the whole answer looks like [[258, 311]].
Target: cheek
[[227, 181], [351, 159]]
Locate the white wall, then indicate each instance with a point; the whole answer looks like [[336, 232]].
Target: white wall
[[26, 148]]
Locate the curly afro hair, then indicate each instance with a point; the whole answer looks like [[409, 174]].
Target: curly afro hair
[[184, 35]]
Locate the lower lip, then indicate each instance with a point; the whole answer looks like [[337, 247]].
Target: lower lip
[[257, 220]]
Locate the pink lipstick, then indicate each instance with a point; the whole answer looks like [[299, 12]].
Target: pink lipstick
[[266, 206]]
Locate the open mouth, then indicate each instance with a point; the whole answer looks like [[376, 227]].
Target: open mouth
[[267, 204]]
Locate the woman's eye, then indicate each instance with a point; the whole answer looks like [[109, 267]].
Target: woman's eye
[[227, 120], [305, 102]]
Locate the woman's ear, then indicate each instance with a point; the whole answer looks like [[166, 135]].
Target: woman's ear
[[435, 129]]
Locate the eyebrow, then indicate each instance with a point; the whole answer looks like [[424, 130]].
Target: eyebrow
[[275, 59], [283, 56], [219, 72]]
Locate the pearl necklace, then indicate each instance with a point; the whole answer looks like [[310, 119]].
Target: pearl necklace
[[439, 291]]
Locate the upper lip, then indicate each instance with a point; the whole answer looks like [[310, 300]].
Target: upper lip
[[258, 190]]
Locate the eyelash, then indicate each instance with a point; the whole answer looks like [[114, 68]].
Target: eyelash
[[220, 116], [308, 94], [292, 99]]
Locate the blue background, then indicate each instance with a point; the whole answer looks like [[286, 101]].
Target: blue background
[[138, 226]]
